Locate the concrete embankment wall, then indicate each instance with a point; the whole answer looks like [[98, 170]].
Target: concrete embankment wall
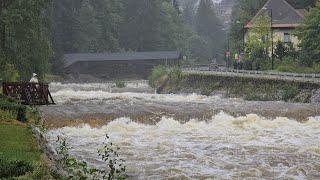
[[249, 88]]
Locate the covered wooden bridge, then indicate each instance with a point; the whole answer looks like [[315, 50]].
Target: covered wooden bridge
[[119, 65]]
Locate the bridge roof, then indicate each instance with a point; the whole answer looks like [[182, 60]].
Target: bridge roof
[[126, 56]]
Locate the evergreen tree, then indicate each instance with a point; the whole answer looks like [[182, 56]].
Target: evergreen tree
[[189, 12], [280, 50], [140, 30], [26, 44], [109, 16], [88, 31], [210, 28], [64, 25]]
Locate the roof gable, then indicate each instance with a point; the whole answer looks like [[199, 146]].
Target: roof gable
[[283, 14], [127, 56]]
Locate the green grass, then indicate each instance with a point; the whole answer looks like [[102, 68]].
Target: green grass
[[296, 68], [18, 143]]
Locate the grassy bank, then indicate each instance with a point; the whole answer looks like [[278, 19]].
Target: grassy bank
[[252, 89], [18, 143], [20, 155]]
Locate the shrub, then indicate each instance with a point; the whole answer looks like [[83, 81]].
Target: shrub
[[8, 73], [293, 66], [7, 104], [175, 74], [289, 92], [157, 73], [206, 90], [10, 169], [120, 84], [6, 116], [115, 168]]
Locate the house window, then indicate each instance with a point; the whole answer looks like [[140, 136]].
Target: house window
[[286, 38]]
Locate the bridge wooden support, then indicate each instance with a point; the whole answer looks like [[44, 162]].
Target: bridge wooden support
[[28, 93]]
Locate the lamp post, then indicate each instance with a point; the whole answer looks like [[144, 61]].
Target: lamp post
[[271, 24], [228, 51]]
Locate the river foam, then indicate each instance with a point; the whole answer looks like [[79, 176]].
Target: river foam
[[223, 147]]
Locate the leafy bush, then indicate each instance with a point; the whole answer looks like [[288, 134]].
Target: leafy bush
[[6, 116], [8, 73], [120, 84], [293, 66], [157, 73], [10, 169], [115, 168], [7, 104], [289, 92]]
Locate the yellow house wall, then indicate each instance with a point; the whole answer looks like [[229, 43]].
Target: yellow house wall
[[278, 34]]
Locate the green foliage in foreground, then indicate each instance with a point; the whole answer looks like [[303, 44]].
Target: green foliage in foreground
[[9, 169], [19, 153], [11, 108], [115, 168]]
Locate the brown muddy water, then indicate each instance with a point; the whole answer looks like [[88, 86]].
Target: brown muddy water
[[187, 136]]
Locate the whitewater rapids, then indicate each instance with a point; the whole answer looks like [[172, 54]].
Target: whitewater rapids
[[187, 142]]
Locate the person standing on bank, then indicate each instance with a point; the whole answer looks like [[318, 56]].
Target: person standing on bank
[[34, 78]]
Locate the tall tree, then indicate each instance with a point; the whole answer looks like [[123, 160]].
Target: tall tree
[[210, 27], [189, 12], [242, 13], [141, 27], [109, 16], [28, 46], [309, 34], [64, 25]]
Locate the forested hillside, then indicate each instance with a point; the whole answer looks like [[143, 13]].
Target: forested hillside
[[135, 25], [36, 33]]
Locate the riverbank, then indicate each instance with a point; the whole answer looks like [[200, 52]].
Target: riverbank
[[248, 88], [20, 155]]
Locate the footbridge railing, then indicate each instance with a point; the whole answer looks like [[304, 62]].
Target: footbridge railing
[[28, 93], [209, 69]]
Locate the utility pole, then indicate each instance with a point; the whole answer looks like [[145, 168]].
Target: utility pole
[[243, 35], [272, 56], [271, 24], [228, 52]]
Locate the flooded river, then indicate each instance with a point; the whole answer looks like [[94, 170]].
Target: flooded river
[[187, 136]]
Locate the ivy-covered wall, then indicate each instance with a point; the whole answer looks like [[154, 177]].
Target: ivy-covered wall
[[243, 87]]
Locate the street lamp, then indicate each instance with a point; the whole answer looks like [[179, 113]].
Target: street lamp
[[271, 23]]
